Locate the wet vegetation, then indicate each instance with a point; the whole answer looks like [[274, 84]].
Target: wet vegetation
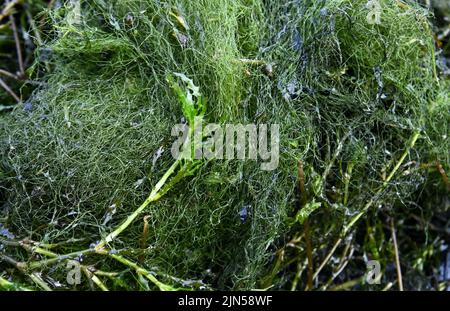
[[87, 177]]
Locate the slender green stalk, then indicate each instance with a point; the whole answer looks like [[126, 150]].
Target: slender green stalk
[[38, 280], [161, 188], [22, 268], [327, 258], [348, 284], [397, 256], [38, 250], [55, 245], [385, 184], [42, 263], [142, 271], [154, 196], [347, 178], [355, 219], [8, 285], [9, 242], [11, 261], [94, 279], [107, 274]]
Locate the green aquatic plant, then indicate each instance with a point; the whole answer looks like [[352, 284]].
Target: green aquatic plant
[[181, 168], [363, 112]]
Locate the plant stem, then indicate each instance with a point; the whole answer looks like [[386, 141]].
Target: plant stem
[[5, 284], [309, 254], [327, 258], [9, 8], [355, 219], [39, 264], [385, 183], [154, 196], [22, 268], [94, 279], [347, 178], [9, 91], [8, 74], [18, 48], [142, 271], [348, 284], [38, 280], [397, 257], [298, 274]]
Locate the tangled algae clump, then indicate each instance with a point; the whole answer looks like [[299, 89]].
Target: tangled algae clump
[[362, 113]]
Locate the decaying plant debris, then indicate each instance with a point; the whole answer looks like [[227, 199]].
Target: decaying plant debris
[[364, 119]]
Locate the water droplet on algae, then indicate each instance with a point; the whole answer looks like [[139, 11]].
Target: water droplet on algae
[[113, 22], [109, 214], [291, 87], [45, 54], [323, 12], [157, 155], [268, 70], [28, 107], [5, 232], [297, 42], [243, 214], [139, 182]]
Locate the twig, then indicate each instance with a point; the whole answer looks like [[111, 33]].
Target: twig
[[397, 257], [54, 257], [333, 159], [9, 74], [298, 274], [303, 199], [9, 242], [107, 274], [344, 261], [18, 48], [301, 182], [9, 91], [347, 177], [38, 36], [443, 174], [348, 284], [327, 258], [28, 245], [8, 9], [250, 61], [309, 256], [11, 261], [387, 287], [426, 224], [55, 245]]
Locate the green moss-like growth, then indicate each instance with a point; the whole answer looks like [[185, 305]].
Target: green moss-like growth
[[359, 105]]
